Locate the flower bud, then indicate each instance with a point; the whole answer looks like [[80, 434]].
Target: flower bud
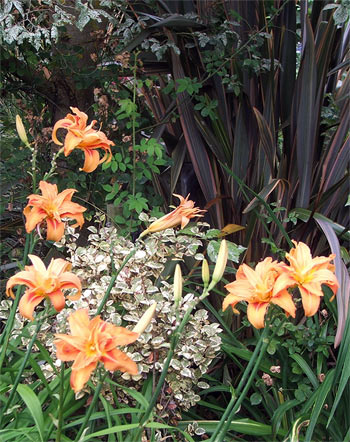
[[220, 264], [205, 272], [145, 319], [21, 131], [177, 285]]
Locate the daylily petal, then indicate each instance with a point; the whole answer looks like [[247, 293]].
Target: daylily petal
[[120, 335], [49, 191], [91, 162], [21, 278], [77, 342], [59, 266], [256, 313], [70, 281], [57, 300], [55, 229], [65, 351], [232, 301], [38, 265], [27, 304], [311, 303], [285, 301], [80, 377], [84, 360], [117, 360], [79, 323], [34, 216], [71, 142]]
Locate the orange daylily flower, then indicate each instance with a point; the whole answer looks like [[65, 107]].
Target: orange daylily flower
[[52, 207], [91, 342], [256, 288], [308, 274], [44, 283], [179, 216], [81, 136]]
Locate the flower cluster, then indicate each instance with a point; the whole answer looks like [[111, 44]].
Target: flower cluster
[[270, 282], [95, 340]]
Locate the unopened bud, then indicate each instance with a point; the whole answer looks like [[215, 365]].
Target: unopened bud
[[21, 131], [177, 285], [205, 272], [145, 319], [220, 265]]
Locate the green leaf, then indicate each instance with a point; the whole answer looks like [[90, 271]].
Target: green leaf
[[234, 250], [33, 405], [255, 399]]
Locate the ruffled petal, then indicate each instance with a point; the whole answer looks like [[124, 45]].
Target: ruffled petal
[[285, 301], [34, 216], [68, 280], [27, 304], [70, 143], [232, 301], [79, 323], [38, 265], [80, 377], [117, 360], [55, 229], [311, 303], [57, 300], [65, 123], [119, 336], [91, 160], [256, 313], [58, 266]]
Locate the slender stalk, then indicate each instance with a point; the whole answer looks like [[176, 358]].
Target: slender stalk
[[226, 425], [60, 405], [133, 120], [251, 365], [5, 336], [22, 367], [114, 277], [174, 341], [91, 407]]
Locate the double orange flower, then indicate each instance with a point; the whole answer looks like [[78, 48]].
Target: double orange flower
[[270, 281], [91, 342], [52, 207], [84, 137], [44, 283]]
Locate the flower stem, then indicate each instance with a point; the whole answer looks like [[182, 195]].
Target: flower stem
[[174, 341], [91, 407], [114, 277], [5, 336], [60, 405], [22, 367]]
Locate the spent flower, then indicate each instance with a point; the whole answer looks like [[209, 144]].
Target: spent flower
[[178, 217]]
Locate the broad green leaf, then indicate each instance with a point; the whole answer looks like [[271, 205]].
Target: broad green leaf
[[32, 402]]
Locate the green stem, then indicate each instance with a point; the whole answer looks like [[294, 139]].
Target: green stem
[[174, 341], [5, 336], [115, 276], [21, 369], [91, 407], [133, 119], [60, 405], [235, 407], [251, 364]]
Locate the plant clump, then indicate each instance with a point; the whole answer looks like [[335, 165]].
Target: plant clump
[[142, 282]]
